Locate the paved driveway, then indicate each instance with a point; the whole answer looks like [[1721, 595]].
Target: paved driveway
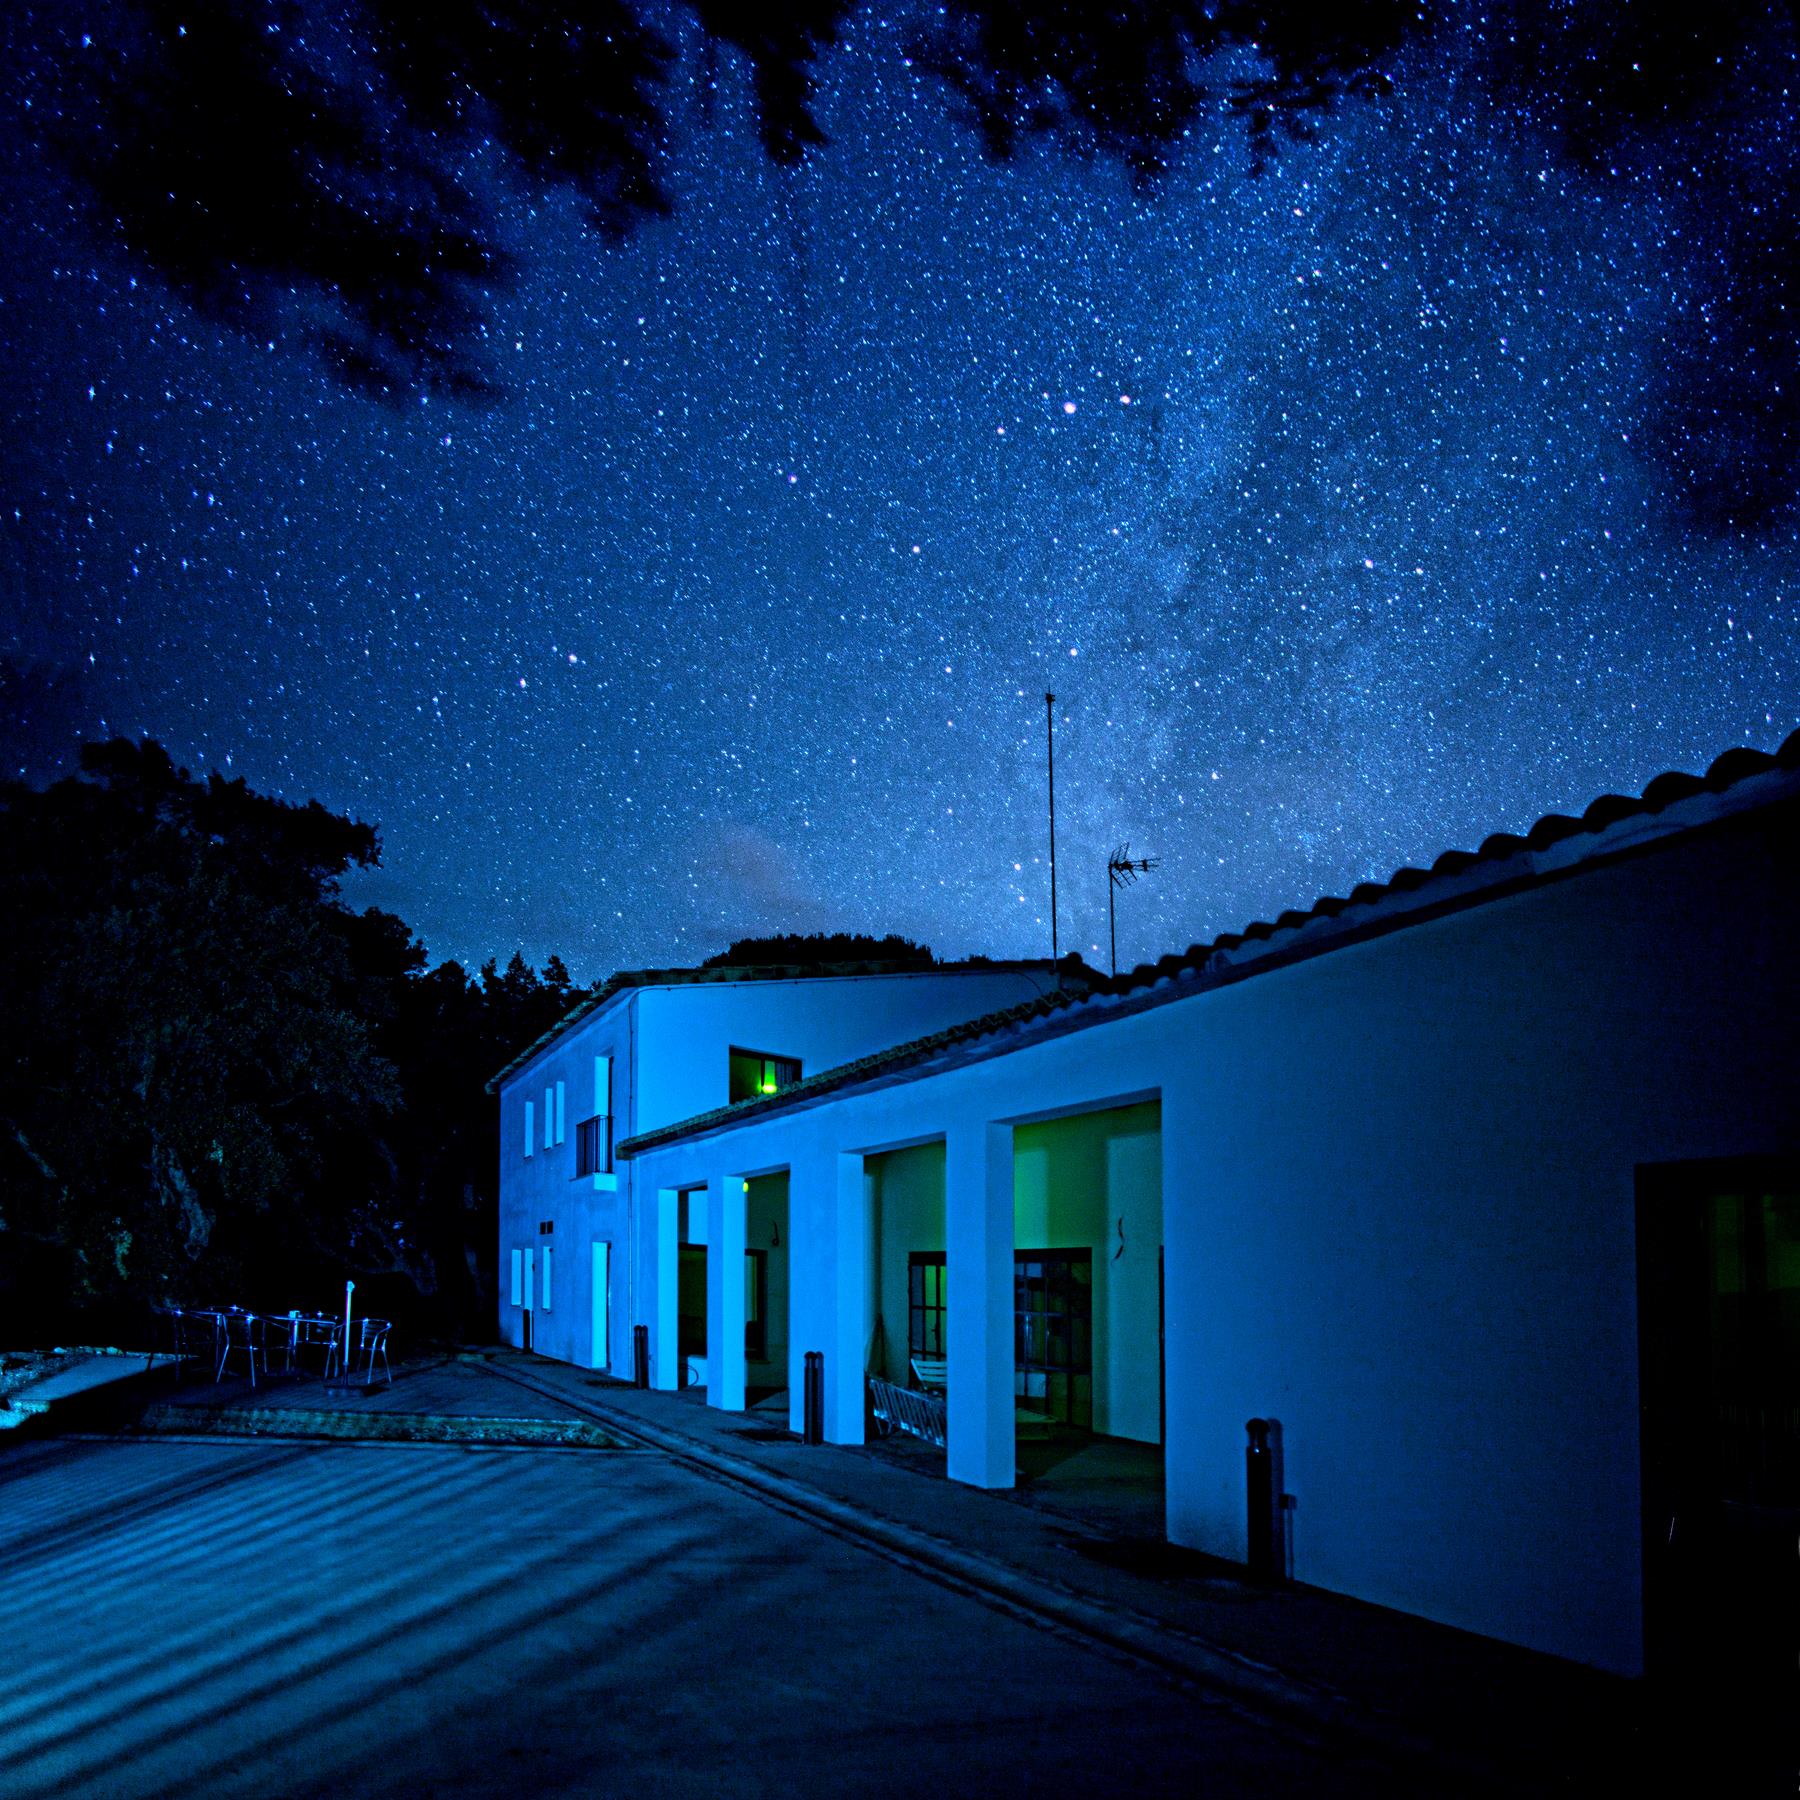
[[283, 1618]]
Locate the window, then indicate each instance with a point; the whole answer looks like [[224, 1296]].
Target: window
[[549, 1117], [562, 1113], [518, 1274], [755, 1072], [530, 1125], [756, 1306], [593, 1146], [593, 1137], [925, 1303], [545, 1254]]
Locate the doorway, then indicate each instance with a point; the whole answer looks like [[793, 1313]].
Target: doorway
[[601, 1350], [1053, 1331], [766, 1250], [1719, 1361], [690, 1306], [1053, 1335]]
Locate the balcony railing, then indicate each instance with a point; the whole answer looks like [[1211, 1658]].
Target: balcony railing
[[594, 1146]]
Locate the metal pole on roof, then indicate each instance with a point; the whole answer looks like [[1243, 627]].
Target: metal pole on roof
[[1050, 742]]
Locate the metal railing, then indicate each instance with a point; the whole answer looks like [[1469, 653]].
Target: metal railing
[[906, 1409], [593, 1146]]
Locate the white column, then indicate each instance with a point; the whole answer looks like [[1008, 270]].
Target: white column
[[665, 1364], [725, 1225], [828, 1307], [978, 1225], [809, 1274], [845, 1389], [1203, 1454]]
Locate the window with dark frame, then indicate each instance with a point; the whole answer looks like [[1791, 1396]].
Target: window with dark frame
[[925, 1303], [754, 1072], [593, 1146]]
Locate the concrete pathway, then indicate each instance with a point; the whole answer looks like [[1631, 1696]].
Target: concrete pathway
[[1484, 1716], [1366, 1687], [69, 1376], [191, 1618]]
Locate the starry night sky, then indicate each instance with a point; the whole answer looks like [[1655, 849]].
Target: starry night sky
[[1320, 497]]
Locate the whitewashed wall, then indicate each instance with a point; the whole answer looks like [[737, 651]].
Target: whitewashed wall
[[687, 1031], [543, 1186], [669, 1048], [1398, 1186]]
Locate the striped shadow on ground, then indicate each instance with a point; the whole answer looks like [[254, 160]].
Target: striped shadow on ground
[[343, 1426]]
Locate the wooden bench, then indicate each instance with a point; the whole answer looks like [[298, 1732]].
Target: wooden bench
[[932, 1373]]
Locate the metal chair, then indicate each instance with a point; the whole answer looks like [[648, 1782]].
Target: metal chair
[[204, 1322], [371, 1342], [168, 1337], [918, 1412], [243, 1333]]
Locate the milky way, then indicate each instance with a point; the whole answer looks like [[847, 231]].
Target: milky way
[[1320, 497]]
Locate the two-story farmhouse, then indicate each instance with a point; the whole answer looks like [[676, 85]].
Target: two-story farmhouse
[[657, 1045]]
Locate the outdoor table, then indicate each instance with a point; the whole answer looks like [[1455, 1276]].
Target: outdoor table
[[308, 1329]]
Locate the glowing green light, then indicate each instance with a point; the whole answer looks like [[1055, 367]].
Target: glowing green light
[[768, 1087]]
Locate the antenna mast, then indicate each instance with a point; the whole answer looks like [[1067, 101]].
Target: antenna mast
[[1050, 744], [1121, 871]]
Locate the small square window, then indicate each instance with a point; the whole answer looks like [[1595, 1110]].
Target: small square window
[[756, 1072]]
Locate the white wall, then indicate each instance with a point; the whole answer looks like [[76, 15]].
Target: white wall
[[687, 1031], [1398, 1187], [543, 1186], [766, 1229], [907, 1214], [669, 1048]]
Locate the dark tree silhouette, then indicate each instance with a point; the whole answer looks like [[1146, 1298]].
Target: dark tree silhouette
[[218, 1081], [329, 171], [183, 1047], [816, 949]]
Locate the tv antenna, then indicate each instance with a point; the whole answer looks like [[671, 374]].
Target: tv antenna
[[1121, 871], [1050, 745]]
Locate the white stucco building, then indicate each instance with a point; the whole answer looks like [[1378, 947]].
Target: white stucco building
[[1482, 1184], [654, 1046]]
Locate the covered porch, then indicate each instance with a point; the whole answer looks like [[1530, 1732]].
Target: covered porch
[[1011, 1271]]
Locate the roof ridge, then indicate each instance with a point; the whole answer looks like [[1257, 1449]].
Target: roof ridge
[[1725, 771], [620, 980], [1729, 770]]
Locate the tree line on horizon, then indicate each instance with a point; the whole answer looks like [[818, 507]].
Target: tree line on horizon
[[220, 1084]]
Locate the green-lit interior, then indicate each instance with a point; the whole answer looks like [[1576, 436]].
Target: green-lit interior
[[756, 1072], [1090, 1183]]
